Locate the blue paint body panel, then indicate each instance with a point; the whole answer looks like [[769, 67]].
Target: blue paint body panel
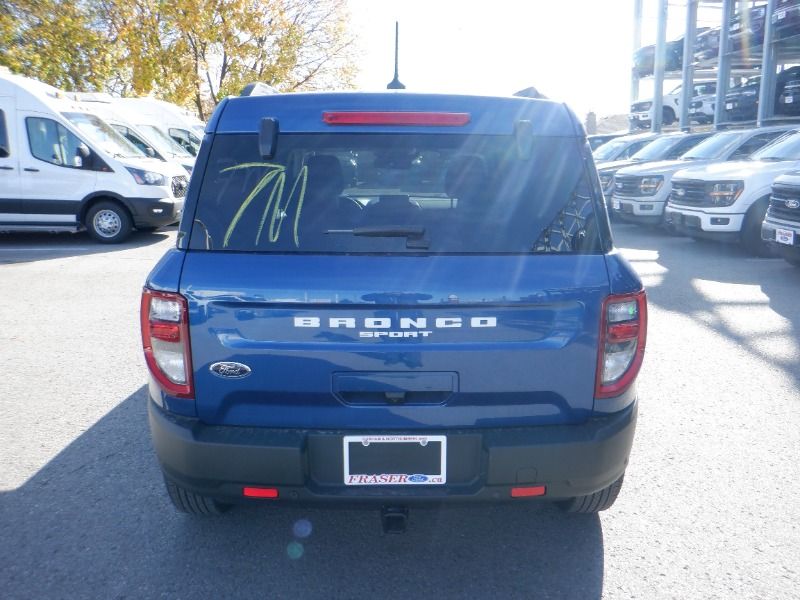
[[302, 113], [536, 366]]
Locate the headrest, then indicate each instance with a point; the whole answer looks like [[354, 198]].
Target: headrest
[[466, 175], [324, 175]]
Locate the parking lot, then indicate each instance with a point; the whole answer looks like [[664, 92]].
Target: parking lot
[[709, 506]]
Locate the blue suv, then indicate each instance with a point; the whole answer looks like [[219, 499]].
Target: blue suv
[[393, 299]]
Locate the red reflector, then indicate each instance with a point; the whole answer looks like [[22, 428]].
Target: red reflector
[[168, 332], [619, 332], [526, 492], [396, 118], [258, 492]]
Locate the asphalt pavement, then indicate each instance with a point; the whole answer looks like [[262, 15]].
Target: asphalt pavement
[[709, 508]]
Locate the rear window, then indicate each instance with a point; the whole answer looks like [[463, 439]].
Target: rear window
[[401, 193]]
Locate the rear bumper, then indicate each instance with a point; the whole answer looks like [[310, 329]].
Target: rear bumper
[[307, 466]]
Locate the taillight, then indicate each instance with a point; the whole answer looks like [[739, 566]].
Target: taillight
[[165, 338], [623, 332]]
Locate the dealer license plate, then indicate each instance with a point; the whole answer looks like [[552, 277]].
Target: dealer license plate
[[784, 236], [395, 459], [729, 106], [615, 204], [788, 100]]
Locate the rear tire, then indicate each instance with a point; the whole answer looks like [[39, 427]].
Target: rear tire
[[191, 503], [668, 117], [108, 222], [593, 503]]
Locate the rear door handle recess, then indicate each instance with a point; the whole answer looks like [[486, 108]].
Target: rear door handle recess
[[30, 170], [4, 168]]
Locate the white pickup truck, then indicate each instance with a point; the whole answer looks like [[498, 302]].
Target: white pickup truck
[[641, 114], [781, 225], [729, 200]]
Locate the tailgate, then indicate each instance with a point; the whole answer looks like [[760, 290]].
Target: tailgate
[[379, 342]]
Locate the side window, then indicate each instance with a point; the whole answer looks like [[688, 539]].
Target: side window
[[52, 142], [133, 139], [683, 146], [633, 149], [755, 143], [5, 148]]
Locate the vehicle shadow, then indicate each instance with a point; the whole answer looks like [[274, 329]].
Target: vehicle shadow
[[752, 302], [96, 522], [37, 246]]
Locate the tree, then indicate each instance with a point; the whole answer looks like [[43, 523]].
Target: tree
[[55, 41], [192, 52], [225, 44]]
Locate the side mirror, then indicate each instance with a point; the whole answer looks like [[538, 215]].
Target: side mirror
[[268, 137], [83, 151], [150, 152]]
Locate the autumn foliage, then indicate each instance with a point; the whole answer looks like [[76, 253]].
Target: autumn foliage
[[192, 52]]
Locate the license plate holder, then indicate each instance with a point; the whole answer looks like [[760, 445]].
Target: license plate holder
[[395, 460], [615, 204], [784, 236]]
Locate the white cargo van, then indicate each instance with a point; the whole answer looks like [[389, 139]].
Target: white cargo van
[[148, 138], [63, 168], [178, 123]]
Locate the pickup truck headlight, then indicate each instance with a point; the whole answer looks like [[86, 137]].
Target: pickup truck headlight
[[649, 186], [725, 194], [143, 177]]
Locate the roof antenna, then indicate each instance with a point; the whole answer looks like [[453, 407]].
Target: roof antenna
[[395, 84]]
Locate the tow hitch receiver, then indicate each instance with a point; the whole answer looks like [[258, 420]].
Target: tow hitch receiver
[[394, 519]]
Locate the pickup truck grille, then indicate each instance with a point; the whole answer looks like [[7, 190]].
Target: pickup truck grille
[[696, 104], [626, 185], [689, 192], [778, 208], [179, 185]]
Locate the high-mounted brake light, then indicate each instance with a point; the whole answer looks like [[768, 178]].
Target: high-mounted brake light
[[165, 339], [424, 119], [623, 333]]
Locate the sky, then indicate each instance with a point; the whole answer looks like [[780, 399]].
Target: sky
[[575, 51]]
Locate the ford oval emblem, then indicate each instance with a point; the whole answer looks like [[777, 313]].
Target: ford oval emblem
[[230, 370], [792, 204], [418, 478], [680, 191]]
